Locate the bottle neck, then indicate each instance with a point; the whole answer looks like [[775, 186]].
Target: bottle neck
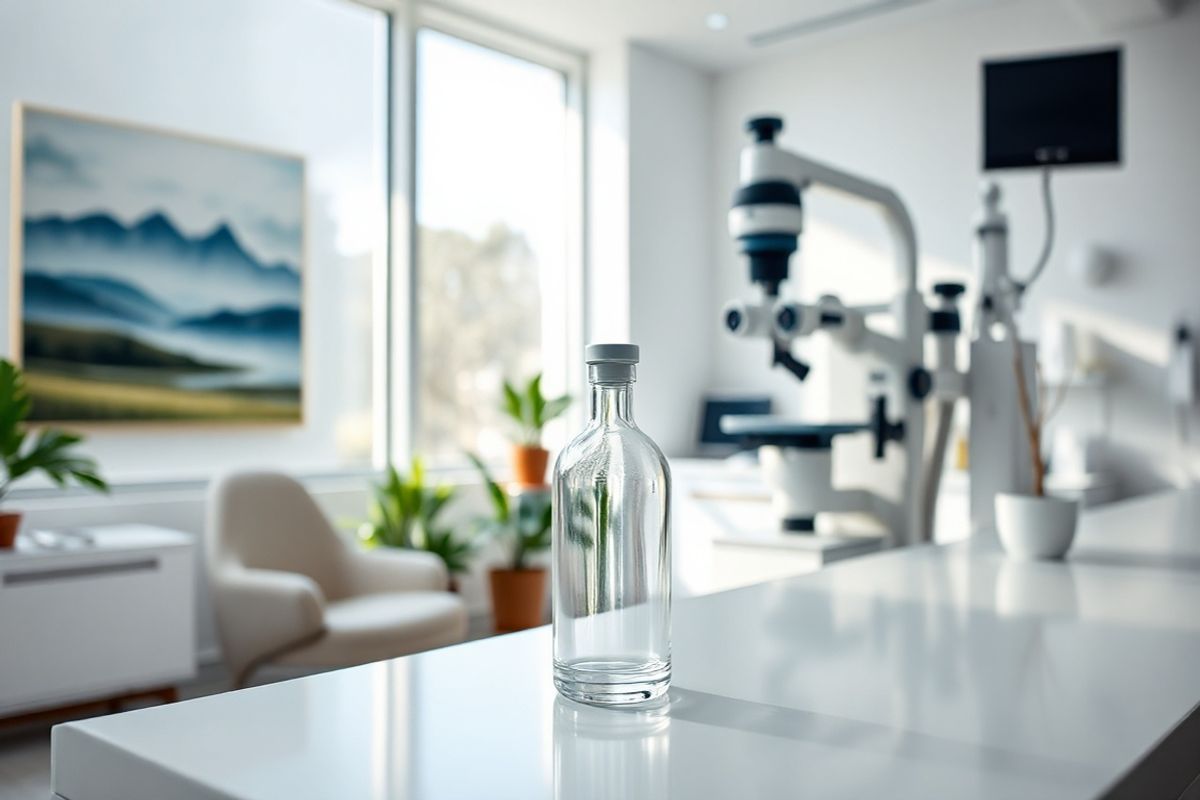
[[612, 403]]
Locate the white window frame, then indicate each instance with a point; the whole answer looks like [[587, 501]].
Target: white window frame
[[396, 411]]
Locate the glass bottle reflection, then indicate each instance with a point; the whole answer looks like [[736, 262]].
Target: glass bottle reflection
[[602, 753]]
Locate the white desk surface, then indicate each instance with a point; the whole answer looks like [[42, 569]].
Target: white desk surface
[[107, 540], [927, 673]]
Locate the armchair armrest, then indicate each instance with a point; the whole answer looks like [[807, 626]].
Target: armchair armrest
[[391, 570], [265, 612]]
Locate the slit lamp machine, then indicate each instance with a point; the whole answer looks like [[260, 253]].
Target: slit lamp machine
[[797, 458]]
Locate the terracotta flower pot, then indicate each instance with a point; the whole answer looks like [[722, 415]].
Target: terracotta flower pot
[[518, 598], [10, 523], [529, 464]]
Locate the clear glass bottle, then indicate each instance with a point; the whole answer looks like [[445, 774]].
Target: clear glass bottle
[[612, 548]]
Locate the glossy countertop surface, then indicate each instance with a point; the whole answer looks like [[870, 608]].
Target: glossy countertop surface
[[930, 672]]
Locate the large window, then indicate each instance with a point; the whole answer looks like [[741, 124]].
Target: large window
[[492, 260]]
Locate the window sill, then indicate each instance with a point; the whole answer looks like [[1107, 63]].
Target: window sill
[[42, 494]]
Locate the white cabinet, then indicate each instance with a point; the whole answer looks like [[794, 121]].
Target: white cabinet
[[115, 617]]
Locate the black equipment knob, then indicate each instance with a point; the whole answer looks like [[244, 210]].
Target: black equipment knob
[[920, 383], [882, 430], [949, 290], [764, 128]]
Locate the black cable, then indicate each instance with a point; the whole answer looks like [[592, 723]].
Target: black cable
[[1048, 244]]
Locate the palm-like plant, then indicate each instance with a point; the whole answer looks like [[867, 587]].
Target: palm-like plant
[[50, 450], [404, 513], [525, 523], [531, 410]]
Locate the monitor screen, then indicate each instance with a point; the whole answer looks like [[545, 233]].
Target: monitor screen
[[717, 407], [1063, 109]]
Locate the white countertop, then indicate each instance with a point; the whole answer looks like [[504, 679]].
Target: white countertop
[[926, 673]]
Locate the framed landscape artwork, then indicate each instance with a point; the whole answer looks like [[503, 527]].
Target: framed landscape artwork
[[157, 276]]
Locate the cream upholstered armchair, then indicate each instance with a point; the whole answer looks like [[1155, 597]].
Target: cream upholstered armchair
[[289, 590]]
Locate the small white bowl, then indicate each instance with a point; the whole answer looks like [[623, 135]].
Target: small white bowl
[[1035, 527]]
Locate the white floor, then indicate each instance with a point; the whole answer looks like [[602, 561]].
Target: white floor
[[25, 764], [25, 750]]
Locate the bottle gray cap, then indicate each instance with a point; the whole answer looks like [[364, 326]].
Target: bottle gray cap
[[611, 363], [611, 354]]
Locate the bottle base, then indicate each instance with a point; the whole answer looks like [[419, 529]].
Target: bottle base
[[612, 682]]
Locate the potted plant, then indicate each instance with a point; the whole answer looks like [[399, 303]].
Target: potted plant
[[404, 513], [531, 411], [523, 521], [1035, 525], [50, 451]]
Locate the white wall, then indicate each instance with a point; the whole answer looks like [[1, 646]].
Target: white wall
[[608, 194], [901, 104], [649, 183], [671, 306], [301, 76]]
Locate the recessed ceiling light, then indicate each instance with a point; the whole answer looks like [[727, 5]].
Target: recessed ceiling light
[[716, 21]]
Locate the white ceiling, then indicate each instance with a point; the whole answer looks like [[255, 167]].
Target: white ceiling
[[677, 27]]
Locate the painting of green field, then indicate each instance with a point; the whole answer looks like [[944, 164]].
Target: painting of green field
[[86, 376], [61, 397]]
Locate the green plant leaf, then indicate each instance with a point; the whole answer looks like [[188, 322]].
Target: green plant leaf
[[50, 453], [455, 553], [497, 494], [535, 517], [435, 501], [545, 524], [88, 476], [512, 404], [537, 404], [555, 408], [578, 521], [416, 473], [402, 514], [391, 511], [15, 406]]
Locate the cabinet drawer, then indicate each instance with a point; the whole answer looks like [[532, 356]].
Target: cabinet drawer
[[106, 625]]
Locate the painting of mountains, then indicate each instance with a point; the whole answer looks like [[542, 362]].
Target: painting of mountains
[[160, 274]]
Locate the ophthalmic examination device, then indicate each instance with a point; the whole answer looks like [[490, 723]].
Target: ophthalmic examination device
[[797, 458]]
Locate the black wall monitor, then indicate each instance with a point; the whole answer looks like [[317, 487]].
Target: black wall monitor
[[1062, 109]]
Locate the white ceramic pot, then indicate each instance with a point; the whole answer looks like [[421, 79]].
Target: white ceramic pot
[[1035, 527]]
